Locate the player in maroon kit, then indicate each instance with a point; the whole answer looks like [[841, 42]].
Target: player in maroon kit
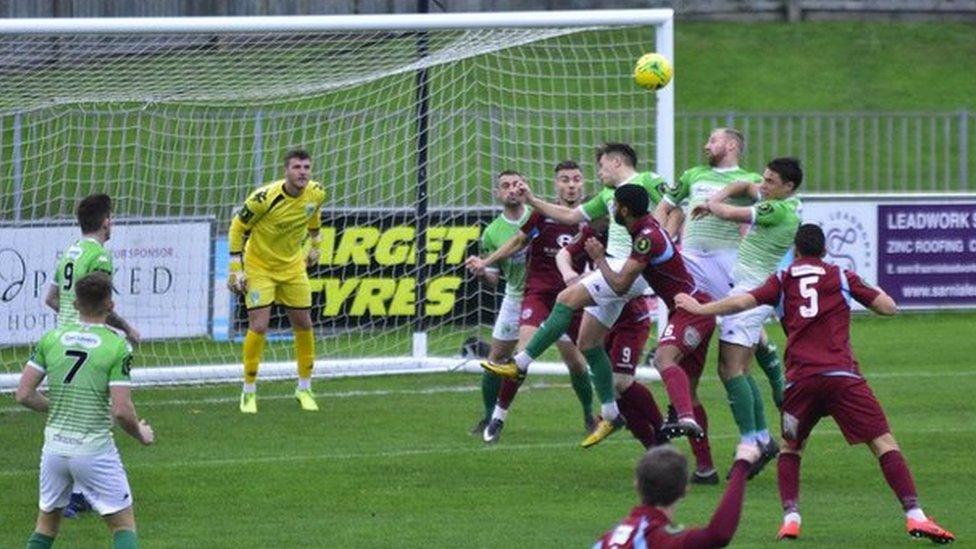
[[662, 476], [823, 378], [680, 348], [544, 238], [624, 345]]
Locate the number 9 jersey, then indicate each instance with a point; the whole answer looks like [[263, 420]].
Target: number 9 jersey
[[81, 258]]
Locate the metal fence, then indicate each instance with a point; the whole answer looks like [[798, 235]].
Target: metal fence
[[850, 152]]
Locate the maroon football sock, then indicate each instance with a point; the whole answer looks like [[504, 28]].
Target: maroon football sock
[[639, 410], [898, 476], [507, 393], [788, 469], [679, 391], [700, 446]]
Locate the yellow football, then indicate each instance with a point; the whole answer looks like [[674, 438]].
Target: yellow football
[[653, 71]]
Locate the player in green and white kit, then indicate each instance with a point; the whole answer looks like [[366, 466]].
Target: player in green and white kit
[[617, 167], [87, 255], [87, 365], [774, 219], [505, 333]]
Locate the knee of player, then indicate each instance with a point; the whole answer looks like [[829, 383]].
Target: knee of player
[[622, 382], [883, 444]]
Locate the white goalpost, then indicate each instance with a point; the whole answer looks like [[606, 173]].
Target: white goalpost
[[406, 117]]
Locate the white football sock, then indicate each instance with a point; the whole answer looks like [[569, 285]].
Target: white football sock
[[522, 360], [792, 516], [609, 410], [915, 514], [499, 413], [304, 384], [250, 387]]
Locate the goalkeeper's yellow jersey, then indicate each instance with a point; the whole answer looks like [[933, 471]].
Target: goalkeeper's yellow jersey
[[276, 225]]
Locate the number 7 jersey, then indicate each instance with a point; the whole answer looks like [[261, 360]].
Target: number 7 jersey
[[81, 361], [812, 299]]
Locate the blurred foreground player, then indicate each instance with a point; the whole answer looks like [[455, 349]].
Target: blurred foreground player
[[661, 480]]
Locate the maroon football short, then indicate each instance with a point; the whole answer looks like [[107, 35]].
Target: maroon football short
[[690, 334], [536, 308], [849, 400], [624, 344]]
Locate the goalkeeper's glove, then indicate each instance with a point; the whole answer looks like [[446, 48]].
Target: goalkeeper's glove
[[236, 280], [312, 259]]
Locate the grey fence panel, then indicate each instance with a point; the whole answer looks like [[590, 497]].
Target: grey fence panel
[[849, 152]]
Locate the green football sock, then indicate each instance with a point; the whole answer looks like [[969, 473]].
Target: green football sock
[[490, 385], [758, 408], [601, 373], [771, 365], [125, 539], [551, 330], [39, 541], [740, 399], [584, 392]]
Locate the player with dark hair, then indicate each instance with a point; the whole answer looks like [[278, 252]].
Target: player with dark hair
[[823, 377], [661, 481], [276, 220], [87, 366], [773, 220], [542, 238], [603, 305], [87, 255]]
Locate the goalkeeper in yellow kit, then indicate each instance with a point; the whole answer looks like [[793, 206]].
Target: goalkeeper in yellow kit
[[275, 220]]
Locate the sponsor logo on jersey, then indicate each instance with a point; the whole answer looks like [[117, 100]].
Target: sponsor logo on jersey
[[81, 339]]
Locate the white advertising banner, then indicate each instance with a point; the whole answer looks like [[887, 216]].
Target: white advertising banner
[[851, 231], [162, 277]]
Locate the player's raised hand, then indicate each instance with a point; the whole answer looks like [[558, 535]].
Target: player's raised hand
[[522, 188], [475, 265], [686, 302], [146, 434], [748, 451], [133, 335], [594, 249]]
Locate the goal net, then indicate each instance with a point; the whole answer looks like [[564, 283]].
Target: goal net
[[406, 118]]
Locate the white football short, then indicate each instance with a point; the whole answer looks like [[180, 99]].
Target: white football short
[[711, 270], [744, 328], [609, 305], [507, 322], [100, 477]]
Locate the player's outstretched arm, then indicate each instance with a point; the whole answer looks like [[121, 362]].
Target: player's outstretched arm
[[662, 211], [564, 262], [27, 394], [725, 521], [511, 247], [619, 281], [116, 321], [124, 413], [884, 305], [729, 305], [562, 214]]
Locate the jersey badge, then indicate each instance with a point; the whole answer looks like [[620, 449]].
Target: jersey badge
[[642, 244], [764, 208], [691, 337], [309, 209], [674, 529], [564, 240]]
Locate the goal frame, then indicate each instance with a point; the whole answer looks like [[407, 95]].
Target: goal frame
[[661, 19]]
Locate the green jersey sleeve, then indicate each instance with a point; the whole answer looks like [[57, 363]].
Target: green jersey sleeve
[[121, 365], [38, 357], [596, 207], [680, 190], [771, 212]]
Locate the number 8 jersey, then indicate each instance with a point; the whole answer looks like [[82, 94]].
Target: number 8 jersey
[[812, 299], [81, 361]]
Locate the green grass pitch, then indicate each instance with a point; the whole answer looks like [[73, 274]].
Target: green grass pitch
[[388, 462]]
